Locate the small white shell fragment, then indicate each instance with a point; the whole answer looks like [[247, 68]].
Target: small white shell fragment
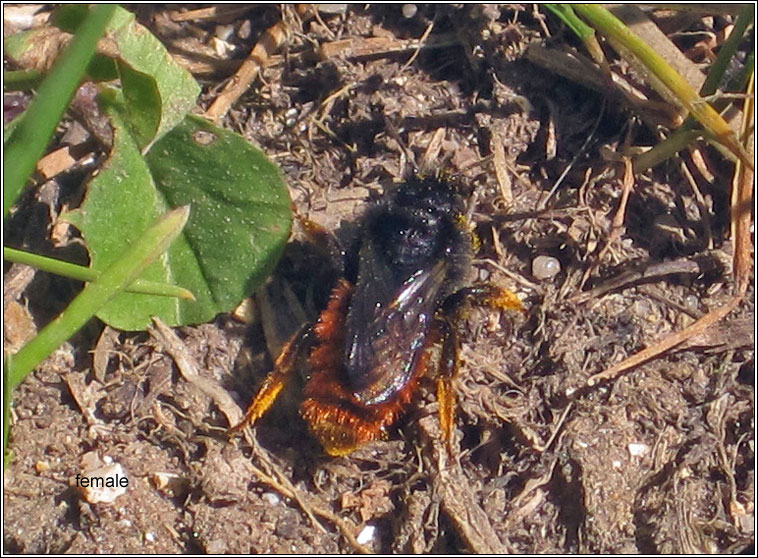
[[692, 302], [112, 475], [637, 449], [545, 267], [366, 535], [167, 482], [270, 498], [223, 32]]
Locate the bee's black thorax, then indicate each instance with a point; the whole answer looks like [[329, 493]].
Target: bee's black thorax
[[418, 224]]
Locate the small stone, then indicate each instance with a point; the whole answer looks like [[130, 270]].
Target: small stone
[[409, 10], [692, 302], [270, 498], [545, 267], [332, 8], [366, 535], [637, 449], [167, 482], [224, 32], [290, 117], [112, 489]]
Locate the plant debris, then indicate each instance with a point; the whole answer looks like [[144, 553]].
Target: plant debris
[[616, 418]]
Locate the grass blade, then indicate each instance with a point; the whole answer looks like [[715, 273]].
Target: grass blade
[[711, 120], [122, 272], [28, 140], [89, 275]]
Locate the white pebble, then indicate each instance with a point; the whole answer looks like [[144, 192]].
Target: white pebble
[[637, 449], [366, 535], [290, 117], [112, 478], [692, 302], [409, 10], [270, 498], [545, 267]]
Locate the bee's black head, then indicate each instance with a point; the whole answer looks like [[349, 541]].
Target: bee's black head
[[419, 223]]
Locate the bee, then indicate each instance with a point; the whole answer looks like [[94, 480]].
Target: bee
[[404, 291]]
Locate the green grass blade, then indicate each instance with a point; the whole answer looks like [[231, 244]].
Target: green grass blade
[[727, 50], [614, 29], [566, 14], [26, 144], [21, 80], [686, 134], [122, 272], [87, 274], [586, 33]]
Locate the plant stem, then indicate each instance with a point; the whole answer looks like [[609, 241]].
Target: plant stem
[[615, 29], [122, 272], [89, 275]]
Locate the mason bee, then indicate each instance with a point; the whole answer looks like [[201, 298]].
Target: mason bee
[[404, 290]]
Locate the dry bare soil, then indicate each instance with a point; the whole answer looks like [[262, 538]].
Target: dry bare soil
[[658, 459]]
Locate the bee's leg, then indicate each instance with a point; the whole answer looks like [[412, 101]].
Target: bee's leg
[[284, 367], [448, 368], [453, 310], [324, 240], [481, 294]]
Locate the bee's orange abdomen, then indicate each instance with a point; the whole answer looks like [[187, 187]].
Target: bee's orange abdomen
[[335, 416]]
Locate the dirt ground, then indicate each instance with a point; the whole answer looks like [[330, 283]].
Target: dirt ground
[[657, 459]]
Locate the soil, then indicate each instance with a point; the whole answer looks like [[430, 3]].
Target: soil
[[656, 459]]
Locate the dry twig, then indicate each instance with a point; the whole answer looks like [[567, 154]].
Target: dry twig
[[742, 193], [458, 501], [272, 39], [617, 226], [187, 367], [666, 343]]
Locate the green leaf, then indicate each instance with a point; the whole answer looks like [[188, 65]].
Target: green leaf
[[158, 91], [120, 204], [240, 221], [32, 49], [241, 207]]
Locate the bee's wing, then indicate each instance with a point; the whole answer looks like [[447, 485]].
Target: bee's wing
[[387, 328]]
